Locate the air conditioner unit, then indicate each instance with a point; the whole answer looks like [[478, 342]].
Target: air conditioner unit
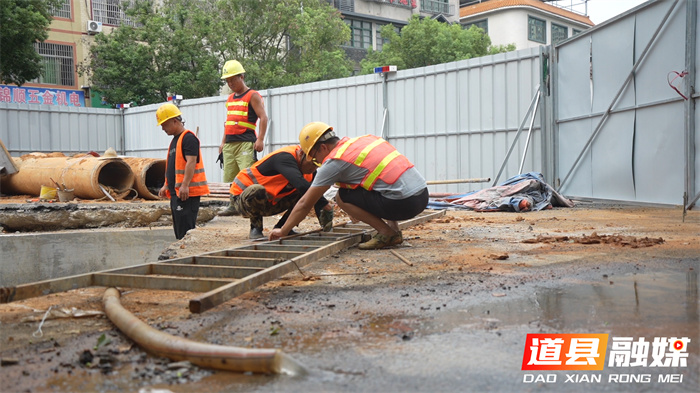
[[94, 27]]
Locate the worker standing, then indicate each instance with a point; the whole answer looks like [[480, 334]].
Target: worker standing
[[245, 126], [376, 182], [185, 180], [274, 185]]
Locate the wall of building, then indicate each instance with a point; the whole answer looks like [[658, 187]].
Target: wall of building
[[510, 26]]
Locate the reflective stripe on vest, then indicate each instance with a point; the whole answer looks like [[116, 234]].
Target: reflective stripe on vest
[[237, 120], [198, 184], [275, 186], [380, 158]]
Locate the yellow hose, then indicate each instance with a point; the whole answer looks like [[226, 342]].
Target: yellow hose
[[269, 361]]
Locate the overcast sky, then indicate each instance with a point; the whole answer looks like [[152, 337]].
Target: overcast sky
[[601, 10]]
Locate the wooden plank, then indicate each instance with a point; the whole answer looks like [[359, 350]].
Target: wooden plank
[[280, 247], [348, 230], [43, 288], [226, 261], [151, 282], [329, 238], [263, 254], [237, 261], [203, 271], [317, 243], [220, 295]]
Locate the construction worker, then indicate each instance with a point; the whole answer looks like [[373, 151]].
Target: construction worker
[[376, 183], [241, 142], [274, 185], [185, 181]]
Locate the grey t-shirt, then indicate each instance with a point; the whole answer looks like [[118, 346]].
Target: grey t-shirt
[[408, 184]]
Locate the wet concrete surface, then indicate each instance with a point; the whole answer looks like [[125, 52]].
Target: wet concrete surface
[[365, 322]]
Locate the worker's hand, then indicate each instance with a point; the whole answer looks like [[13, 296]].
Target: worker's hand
[[259, 145], [221, 148], [161, 192], [183, 193], [276, 234], [325, 219]]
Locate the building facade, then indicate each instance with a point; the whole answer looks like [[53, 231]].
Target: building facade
[[72, 31], [525, 23], [366, 18]]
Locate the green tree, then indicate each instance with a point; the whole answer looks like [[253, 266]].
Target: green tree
[[168, 52], [425, 42], [284, 42], [22, 23], [181, 46]]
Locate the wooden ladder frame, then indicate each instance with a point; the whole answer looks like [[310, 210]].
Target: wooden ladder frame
[[219, 275]]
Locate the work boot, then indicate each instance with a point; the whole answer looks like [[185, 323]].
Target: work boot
[[230, 210], [380, 241], [255, 233]]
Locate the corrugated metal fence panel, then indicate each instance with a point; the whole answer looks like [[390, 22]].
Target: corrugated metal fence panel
[[642, 141], [454, 120], [352, 106], [457, 120], [26, 128]]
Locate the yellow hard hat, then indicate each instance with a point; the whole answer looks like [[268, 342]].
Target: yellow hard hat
[[310, 134], [167, 111], [231, 68]]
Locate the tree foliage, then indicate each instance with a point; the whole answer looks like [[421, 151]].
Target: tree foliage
[[166, 53], [181, 46], [425, 42], [22, 23]]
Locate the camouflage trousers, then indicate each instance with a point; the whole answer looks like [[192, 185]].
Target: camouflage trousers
[[253, 203]]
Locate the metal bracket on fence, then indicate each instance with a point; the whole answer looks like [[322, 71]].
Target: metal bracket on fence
[[532, 108]]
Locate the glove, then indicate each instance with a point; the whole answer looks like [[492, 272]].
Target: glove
[[220, 160], [325, 219]]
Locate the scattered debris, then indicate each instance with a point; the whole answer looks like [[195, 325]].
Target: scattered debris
[[594, 238]]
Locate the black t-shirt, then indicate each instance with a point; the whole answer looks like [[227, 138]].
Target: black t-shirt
[[190, 147], [285, 164]]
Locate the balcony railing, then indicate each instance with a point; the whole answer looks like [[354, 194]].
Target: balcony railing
[[437, 7], [397, 3]]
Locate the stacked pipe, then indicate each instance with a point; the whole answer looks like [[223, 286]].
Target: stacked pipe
[[90, 177]]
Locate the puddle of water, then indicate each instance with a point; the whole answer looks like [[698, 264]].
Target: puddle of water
[[639, 304]]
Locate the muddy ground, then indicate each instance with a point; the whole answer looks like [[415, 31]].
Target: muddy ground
[[456, 320]]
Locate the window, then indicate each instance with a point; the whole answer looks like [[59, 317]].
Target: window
[[574, 32], [381, 40], [345, 5], [536, 30], [62, 11], [57, 61], [436, 6], [111, 12], [360, 33], [482, 24], [559, 33]]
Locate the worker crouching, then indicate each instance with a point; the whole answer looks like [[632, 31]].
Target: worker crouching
[[273, 185], [378, 185]]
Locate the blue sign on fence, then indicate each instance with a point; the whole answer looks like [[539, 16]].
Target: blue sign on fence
[[36, 95]]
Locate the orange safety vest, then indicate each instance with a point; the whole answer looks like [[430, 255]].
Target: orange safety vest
[[373, 153], [274, 185], [237, 114], [198, 184]]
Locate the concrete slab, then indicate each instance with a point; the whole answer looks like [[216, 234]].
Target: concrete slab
[[32, 257]]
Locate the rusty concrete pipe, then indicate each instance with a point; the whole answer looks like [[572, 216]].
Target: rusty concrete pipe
[[269, 361], [149, 175], [86, 175]]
